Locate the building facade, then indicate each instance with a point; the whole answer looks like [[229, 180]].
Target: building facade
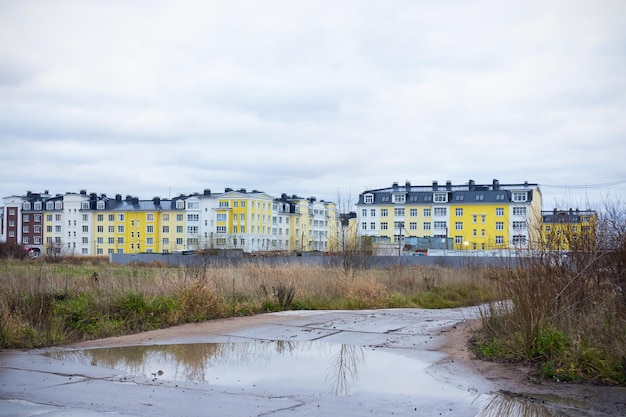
[[466, 217], [566, 230], [92, 224]]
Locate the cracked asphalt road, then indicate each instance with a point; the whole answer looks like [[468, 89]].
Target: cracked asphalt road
[[34, 383]]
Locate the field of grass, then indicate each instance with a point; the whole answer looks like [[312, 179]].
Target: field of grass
[[53, 303]]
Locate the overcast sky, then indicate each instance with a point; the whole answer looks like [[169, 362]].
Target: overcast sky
[[315, 98]]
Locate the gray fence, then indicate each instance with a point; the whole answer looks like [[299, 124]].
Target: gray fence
[[317, 260]]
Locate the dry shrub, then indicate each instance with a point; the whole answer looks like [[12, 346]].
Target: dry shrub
[[575, 304], [198, 301]]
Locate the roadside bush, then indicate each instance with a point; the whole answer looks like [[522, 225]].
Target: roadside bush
[[567, 315]]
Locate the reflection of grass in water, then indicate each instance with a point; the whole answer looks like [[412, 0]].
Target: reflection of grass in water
[[194, 362], [507, 405]]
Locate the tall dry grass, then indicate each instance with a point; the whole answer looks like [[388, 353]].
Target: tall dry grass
[[43, 303], [564, 311]]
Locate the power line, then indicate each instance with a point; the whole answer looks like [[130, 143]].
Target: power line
[[585, 186]]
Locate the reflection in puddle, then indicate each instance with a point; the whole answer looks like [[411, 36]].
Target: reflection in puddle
[[518, 405], [342, 369]]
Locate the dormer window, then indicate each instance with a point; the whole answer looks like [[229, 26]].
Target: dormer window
[[368, 198], [49, 205], [440, 197], [85, 205], [520, 196], [26, 206], [100, 205], [180, 204], [399, 198], [37, 205]]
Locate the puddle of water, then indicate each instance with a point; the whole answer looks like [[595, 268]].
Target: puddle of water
[[307, 366]]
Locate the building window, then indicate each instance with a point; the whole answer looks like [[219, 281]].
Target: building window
[[399, 198], [440, 225], [85, 240], [426, 225], [519, 240], [150, 229], [166, 229], [440, 197], [413, 226], [85, 229], [120, 229], [458, 240], [193, 217], [373, 212], [364, 212], [368, 198], [520, 196], [519, 211], [223, 204], [192, 230], [458, 226], [363, 226], [120, 217], [441, 211], [180, 204], [373, 226], [150, 217], [426, 212], [482, 233], [26, 206], [499, 225], [179, 229], [480, 197], [499, 240], [398, 211], [499, 211], [458, 212], [413, 212], [384, 212], [519, 225], [120, 240], [221, 229], [483, 218], [150, 241], [383, 226], [474, 218], [26, 218]]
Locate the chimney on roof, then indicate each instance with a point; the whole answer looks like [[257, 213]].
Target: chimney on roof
[[135, 201], [394, 185], [83, 192], [129, 198], [496, 184], [227, 190], [407, 184], [207, 191], [472, 185], [435, 185], [157, 201], [449, 185], [118, 197]]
